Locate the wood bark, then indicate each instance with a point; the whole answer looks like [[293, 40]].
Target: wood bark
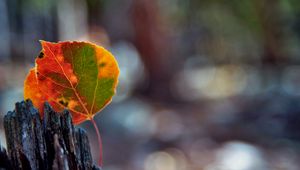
[[51, 143]]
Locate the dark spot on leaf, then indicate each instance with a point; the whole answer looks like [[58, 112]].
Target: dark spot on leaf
[[102, 64], [41, 55], [64, 103]]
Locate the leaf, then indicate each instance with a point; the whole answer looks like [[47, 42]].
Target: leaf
[[80, 76]]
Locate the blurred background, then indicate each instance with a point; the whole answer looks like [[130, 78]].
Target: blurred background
[[204, 84]]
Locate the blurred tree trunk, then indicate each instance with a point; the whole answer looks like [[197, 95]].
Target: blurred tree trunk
[[271, 19], [154, 45]]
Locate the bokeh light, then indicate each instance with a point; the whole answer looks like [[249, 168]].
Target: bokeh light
[[204, 85]]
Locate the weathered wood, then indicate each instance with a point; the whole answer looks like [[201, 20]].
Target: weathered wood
[[4, 160], [51, 143]]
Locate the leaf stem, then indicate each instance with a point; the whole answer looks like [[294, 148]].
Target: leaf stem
[[99, 142]]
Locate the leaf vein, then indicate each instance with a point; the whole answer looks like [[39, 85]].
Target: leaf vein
[[75, 92]]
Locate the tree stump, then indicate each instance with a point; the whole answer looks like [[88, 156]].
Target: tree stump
[[51, 143]]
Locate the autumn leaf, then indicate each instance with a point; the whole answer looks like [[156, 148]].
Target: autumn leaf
[[80, 76]]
